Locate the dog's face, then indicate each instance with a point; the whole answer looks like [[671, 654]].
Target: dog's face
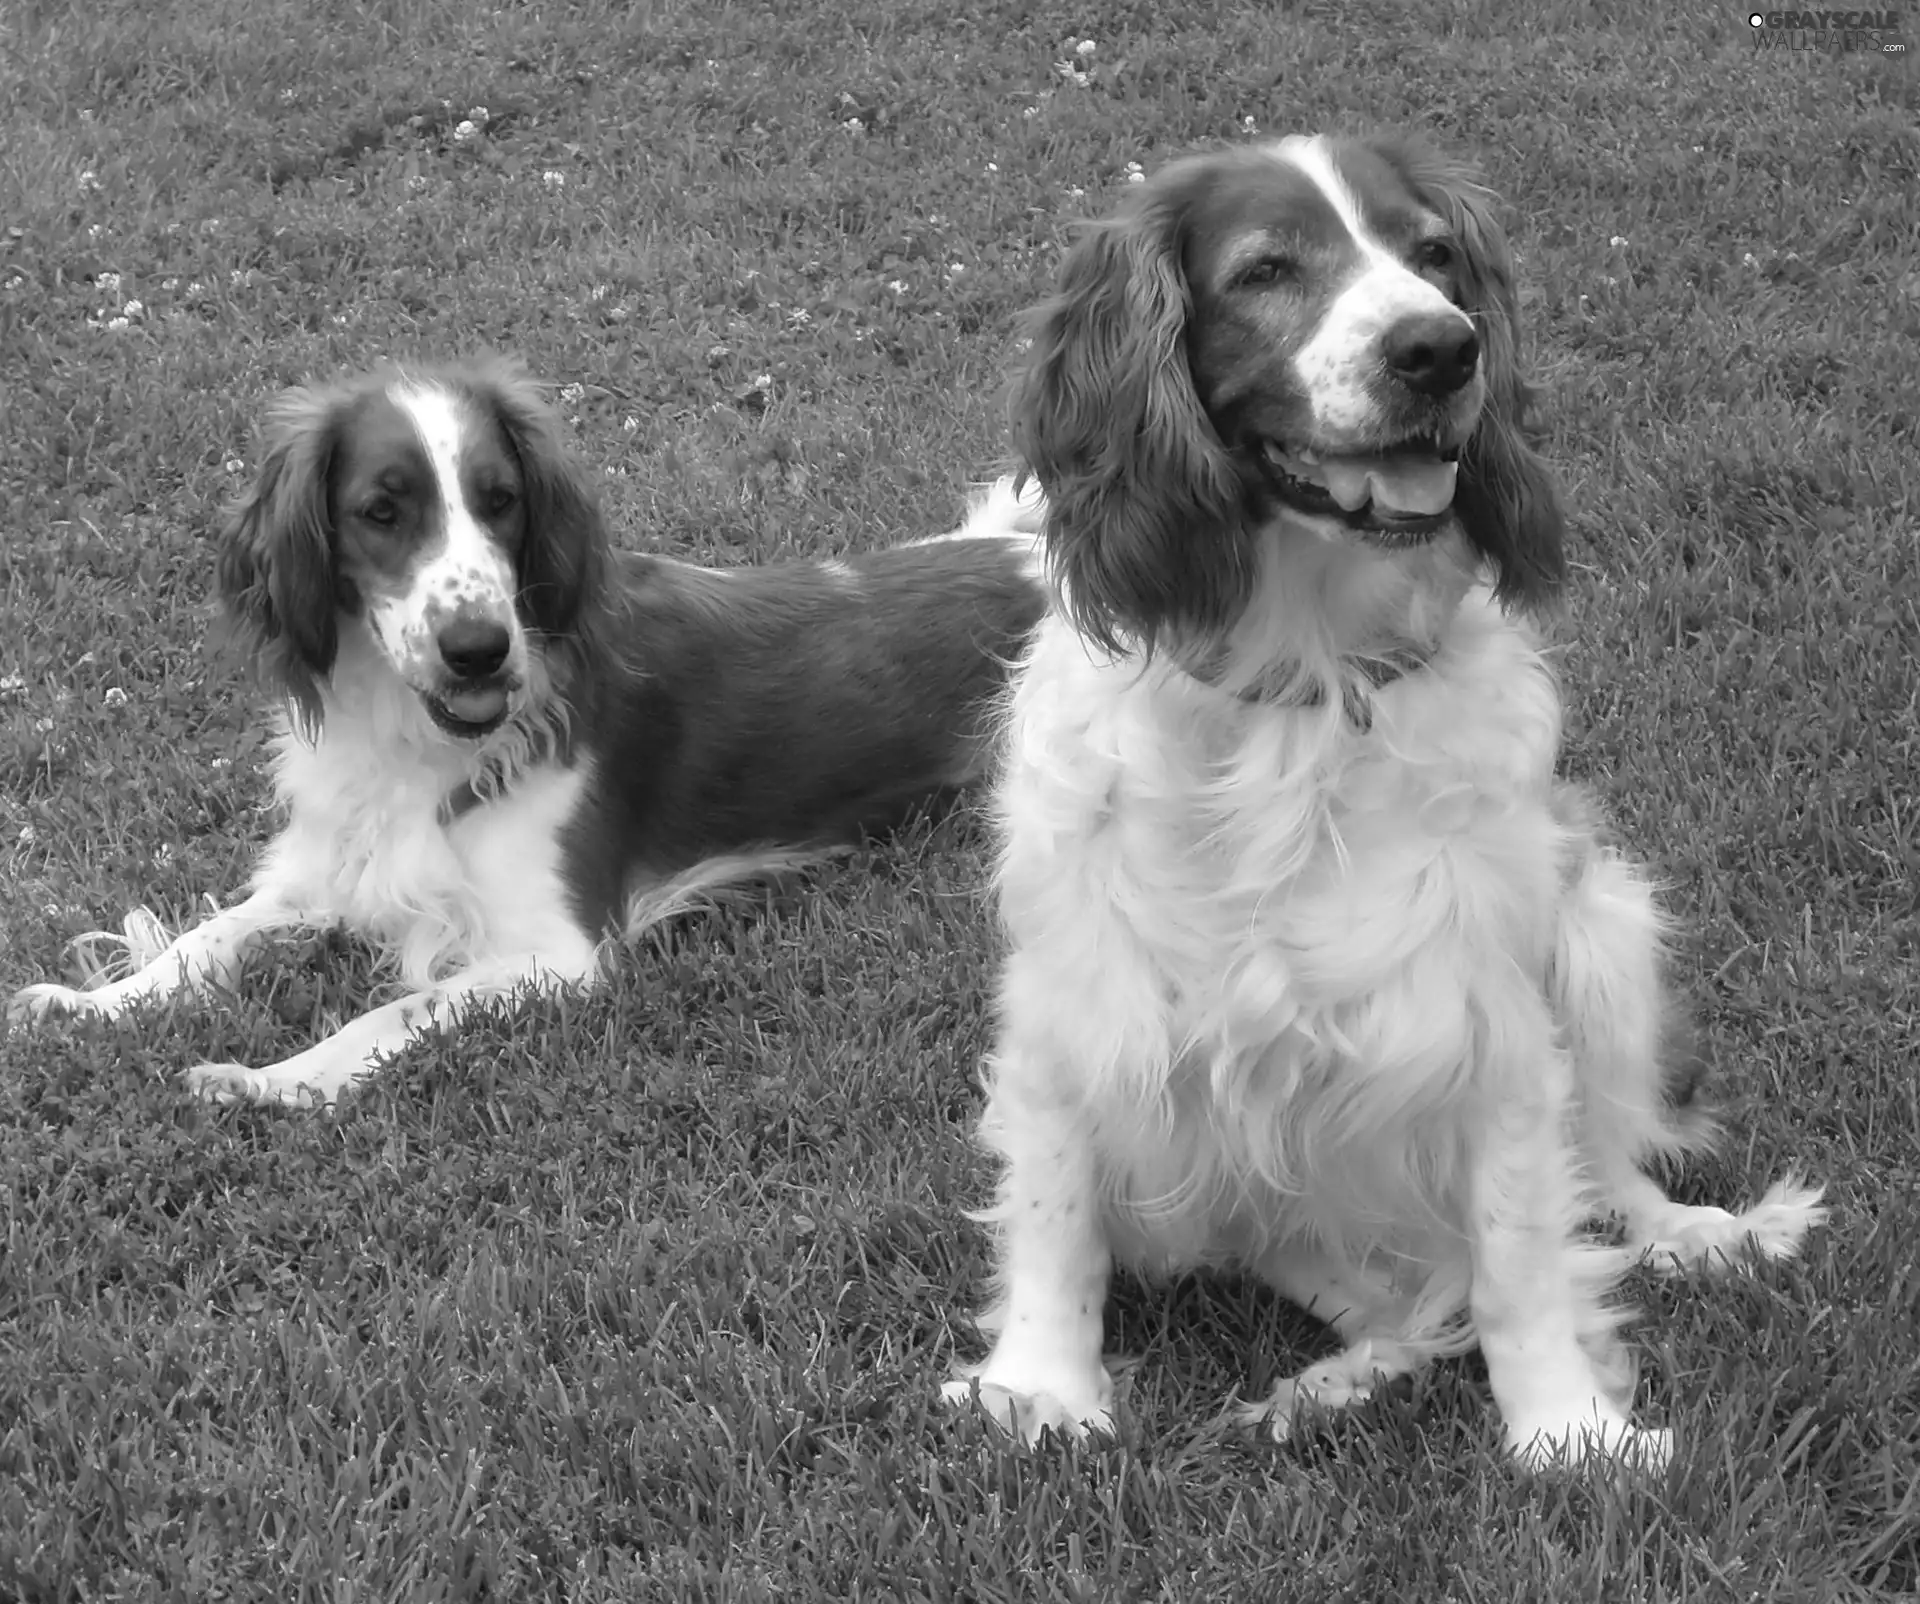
[[1327, 342], [440, 511], [1314, 342], [429, 515]]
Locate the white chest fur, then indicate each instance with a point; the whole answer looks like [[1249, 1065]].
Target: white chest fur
[[366, 844], [1264, 936]]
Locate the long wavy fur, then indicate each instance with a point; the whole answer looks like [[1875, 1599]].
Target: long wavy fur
[[1105, 417]]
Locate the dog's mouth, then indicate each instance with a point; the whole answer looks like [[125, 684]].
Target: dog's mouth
[[1401, 497], [469, 711]]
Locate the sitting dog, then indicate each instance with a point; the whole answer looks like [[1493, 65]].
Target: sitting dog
[[503, 742], [1317, 971]]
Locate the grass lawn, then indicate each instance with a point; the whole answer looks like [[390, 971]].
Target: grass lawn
[[647, 1296]]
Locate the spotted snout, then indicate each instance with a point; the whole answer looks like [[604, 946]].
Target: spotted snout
[[479, 673], [456, 640]]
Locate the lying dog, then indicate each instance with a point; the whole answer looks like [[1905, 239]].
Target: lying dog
[[504, 742], [1316, 969]]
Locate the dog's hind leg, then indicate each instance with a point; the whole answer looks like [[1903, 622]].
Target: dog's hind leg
[[1607, 991], [1376, 1329]]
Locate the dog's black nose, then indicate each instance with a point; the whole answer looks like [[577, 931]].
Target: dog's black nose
[[1435, 352], [474, 647]]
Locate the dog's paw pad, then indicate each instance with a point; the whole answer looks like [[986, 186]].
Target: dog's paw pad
[[1026, 1413], [31, 1004], [1598, 1441], [1336, 1383], [229, 1084]]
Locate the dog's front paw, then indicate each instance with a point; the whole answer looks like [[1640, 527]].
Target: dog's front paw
[[1069, 1406], [1603, 1438], [235, 1083], [1341, 1382], [31, 1004]]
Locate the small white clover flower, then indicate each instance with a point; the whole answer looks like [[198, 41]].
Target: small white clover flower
[[463, 131], [89, 182], [109, 282], [95, 230], [216, 762], [630, 424], [993, 167], [134, 308], [169, 284], [28, 835], [762, 382], [234, 465], [195, 289], [116, 324], [478, 115], [12, 687], [554, 179], [599, 292], [163, 855], [799, 318], [113, 696], [1075, 192], [43, 726], [1619, 242], [417, 182], [956, 267], [1249, 126], [1085, 47], [897, 285], [339, 320], [573, 394], [854, 126], [1031, 111], [1135, 173], [1749, 260]]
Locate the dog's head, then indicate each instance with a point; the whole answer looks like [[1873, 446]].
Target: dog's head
[[442, 510], [1316, 336]]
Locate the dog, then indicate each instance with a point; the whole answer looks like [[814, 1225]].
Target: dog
[[502, 742], [1316, 971]]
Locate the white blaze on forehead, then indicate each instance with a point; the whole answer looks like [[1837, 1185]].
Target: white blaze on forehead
[[464, 571], [1341, 360], [469, 566]]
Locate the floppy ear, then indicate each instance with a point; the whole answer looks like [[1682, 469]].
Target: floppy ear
[[275, 572], [1507, 499], [1144, 526], [563, 556]]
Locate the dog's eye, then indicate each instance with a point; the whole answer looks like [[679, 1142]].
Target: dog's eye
[[380, 511], [1434, 254], [499, 500], [1268, 270]]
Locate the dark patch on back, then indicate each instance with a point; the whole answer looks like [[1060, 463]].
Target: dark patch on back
[[787, 705]]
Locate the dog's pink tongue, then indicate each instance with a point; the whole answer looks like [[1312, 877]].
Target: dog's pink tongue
[[1419, 485], [476, 707]]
